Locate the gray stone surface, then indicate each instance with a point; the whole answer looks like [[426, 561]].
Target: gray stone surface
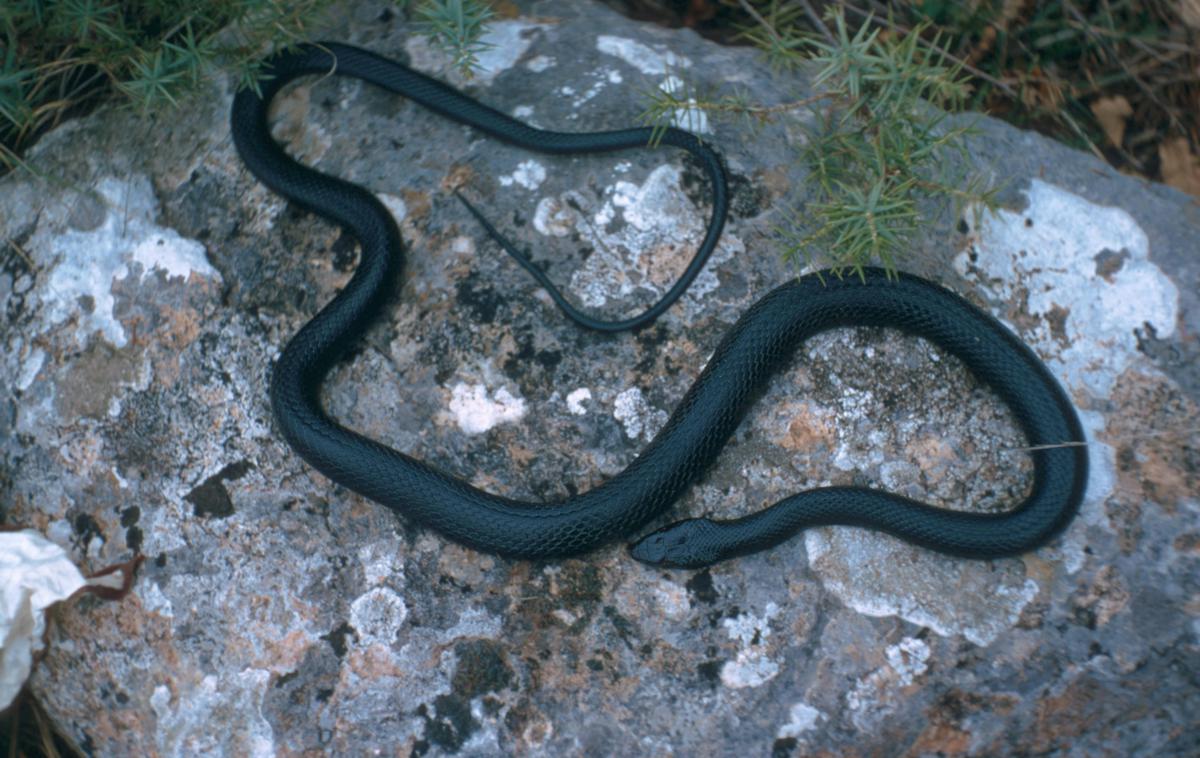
[[280, 614]]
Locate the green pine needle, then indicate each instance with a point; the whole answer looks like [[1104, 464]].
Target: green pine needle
[[456, 27], [55, 54], [876, 149]]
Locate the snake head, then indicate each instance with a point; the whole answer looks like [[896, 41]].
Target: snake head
[[684, 544]]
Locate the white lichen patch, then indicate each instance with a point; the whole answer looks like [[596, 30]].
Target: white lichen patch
[[672, 599], [909, 659], [485, 740], [553, 217], [1082, 269], [600, 79], [801, 718], [690, 118], [707, 281], [642, 57], [529, 174], [880, 576], [655, 63], [463, 245], [175, 257], [752, 667], [78, 284], [660, 194], [377, 616], [473, 623], [648, 252], [186, 712], [639, 418], [381, 562], [154, 600], [30, 367], [849, 454], [395, 206], [475, 410], [876, 695], [576, 400], [539, 63], [503, 43], [564, 616]]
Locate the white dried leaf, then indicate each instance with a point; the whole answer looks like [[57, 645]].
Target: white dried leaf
[[35, 573]]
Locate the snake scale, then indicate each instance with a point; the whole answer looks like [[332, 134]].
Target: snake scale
[[761, 342]]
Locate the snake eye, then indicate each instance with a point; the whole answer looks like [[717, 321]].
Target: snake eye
[[651, 549]]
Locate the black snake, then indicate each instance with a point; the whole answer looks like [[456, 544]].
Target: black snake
[[755, 348]]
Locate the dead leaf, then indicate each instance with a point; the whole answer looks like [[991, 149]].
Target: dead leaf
[[1112, 113], [1179, 165], [1038, 90], [1189, 11], [505, 9], [1011, 10]]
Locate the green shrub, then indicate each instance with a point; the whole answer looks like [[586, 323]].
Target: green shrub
[[877, 146], [58, 57]]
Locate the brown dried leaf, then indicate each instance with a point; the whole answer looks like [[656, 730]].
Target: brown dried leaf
[[1112, 113], [1189, 11], [1180, 166], [1011, 10], [114, 582], [1040, 90]]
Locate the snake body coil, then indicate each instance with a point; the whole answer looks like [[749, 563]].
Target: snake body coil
[[755, 348]]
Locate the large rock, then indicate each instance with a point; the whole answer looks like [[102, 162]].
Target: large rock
[[146, 295]]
